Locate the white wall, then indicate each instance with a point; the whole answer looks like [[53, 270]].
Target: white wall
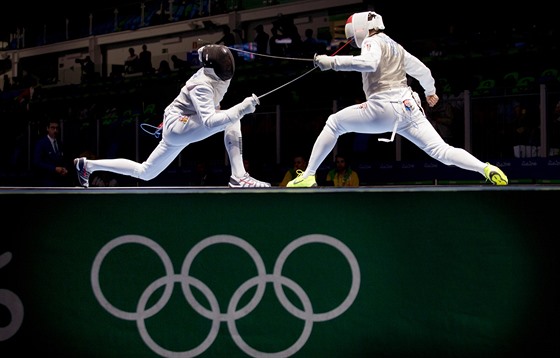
[[70, 72], [161, 50], [164, 46]]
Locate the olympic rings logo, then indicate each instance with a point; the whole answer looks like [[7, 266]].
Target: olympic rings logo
[[232, 313], [12, 302]]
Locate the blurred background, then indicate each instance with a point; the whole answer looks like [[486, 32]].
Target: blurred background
[[496, 71]]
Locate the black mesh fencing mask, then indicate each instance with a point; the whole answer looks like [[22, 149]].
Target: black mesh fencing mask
[[219, 58]]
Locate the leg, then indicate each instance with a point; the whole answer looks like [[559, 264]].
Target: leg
[[324, 144], [158, 160], [234, 147], [178, 132], [425, 137], [373, 116], [368, 117]]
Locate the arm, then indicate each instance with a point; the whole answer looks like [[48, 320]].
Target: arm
[[329, 179], [367, 61], [287, 178], [203, 100], [417, 69], [354, 179]]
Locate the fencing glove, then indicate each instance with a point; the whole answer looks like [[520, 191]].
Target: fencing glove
[[248, 105], [324, 62]]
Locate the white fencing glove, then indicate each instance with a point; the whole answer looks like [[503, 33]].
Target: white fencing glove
[[248, 105], [324, 62]]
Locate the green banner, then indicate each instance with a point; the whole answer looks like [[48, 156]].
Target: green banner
[[306, 273]]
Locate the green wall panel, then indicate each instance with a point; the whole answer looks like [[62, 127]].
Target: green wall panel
[[319, 272]]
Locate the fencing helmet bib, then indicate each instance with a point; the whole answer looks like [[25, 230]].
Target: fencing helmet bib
[[219, 58], [358, 26]]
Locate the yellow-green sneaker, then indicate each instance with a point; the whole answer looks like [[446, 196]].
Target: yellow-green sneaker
[[495, 175], [301, 182]]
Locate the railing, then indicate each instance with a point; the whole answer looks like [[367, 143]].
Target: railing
[[132, 16]]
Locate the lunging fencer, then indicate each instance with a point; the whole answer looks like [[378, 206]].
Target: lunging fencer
[[192, 116], [390, 106]]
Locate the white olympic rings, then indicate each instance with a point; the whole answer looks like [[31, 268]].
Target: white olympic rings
[[233, 313], [13, 304]]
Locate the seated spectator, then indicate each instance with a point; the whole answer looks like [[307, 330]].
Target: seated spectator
[[554, 125], [299, 164], [203, 176], [342, 175], [179, 64], [164, 70]]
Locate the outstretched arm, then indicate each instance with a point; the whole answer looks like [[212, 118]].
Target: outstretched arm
[[367, 61], [203, 101]]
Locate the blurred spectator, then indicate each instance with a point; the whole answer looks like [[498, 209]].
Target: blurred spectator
[[179, 64], [131, 64], [299, 164], [7, 85], [554, 135], [203, 176], [145, 61], [342, 175], [88, 69], [27, 83], [253, 170], [276, 45], [289, 30], [239, 37], [227, 39], [164, 69], [261, 39], [310, 45], [524, 136], [441, 116], [246, 164], [5, 63]]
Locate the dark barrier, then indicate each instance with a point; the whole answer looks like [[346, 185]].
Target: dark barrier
[[379, 272]]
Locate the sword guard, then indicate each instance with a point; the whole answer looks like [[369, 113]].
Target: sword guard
[[256, 99]]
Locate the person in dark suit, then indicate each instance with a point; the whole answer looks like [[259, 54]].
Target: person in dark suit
[[48, 159]]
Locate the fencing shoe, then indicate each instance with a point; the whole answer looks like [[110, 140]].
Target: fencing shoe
[[246, 182], [83, 174], [495, 175], [301, 182]]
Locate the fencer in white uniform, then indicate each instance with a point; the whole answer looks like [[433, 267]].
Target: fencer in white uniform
[[391, 106], [192, 116]]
